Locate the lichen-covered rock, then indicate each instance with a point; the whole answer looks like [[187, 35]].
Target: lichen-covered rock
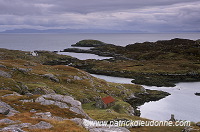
[[13, 94], [41, 125], [62, 102], [47, 115], [43, 90], [5, 74], [7, 121], [188, 129], [40, 99], [6, 109], [77, 78], [11, 129], [67, 99], [44, 101], [2, 66], [24, 70], [52, 77], [19, 127], [16, 128]]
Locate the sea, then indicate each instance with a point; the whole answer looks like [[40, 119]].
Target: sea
[[57, 42]]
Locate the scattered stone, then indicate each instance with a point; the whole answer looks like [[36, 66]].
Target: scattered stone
[[65, 99], [40, 99], [43, 115], [13, 94], [5, 74], [4, 111], [47, 115], [131, 111], [187, 129], [78, 121], [77, 110], [41, 125], [33, 111], [28, 94], [52, 77], [85, 100], [24, 70], [41, 91], [62, 102], [120, 87], [10, 129], [7, 121], [7, 109], [2, 66], [77, 78], [44, 101], [16, 128], [132, 96], [25, 100], [109, 111]]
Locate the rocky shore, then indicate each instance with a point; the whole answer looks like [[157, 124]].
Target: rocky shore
[[161, 63]]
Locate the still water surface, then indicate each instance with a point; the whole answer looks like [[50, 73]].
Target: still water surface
[[182, 102]]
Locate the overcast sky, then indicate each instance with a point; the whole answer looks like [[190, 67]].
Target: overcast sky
[[148, 16]]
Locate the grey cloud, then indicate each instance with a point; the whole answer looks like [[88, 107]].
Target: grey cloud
[[88, 6], [79, 6], [142, 15]]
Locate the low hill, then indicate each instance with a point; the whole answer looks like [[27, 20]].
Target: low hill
[[161, 63], [37, 96]]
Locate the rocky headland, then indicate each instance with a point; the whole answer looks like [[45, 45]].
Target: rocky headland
[[161, 63]]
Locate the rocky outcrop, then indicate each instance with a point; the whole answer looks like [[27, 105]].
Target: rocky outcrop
[[42, 90], [2, 66], [52, 77], [6, 109], [19, 127], [8, 121], [48, 115], [62, 102], [41, 125], [5, 74], [24, 70]]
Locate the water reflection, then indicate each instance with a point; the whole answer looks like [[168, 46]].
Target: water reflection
[[84, 56], [182, 102]]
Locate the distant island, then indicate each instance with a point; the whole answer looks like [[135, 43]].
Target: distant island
[[26, 30]]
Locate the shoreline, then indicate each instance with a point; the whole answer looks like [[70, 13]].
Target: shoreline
[[151, 70]]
